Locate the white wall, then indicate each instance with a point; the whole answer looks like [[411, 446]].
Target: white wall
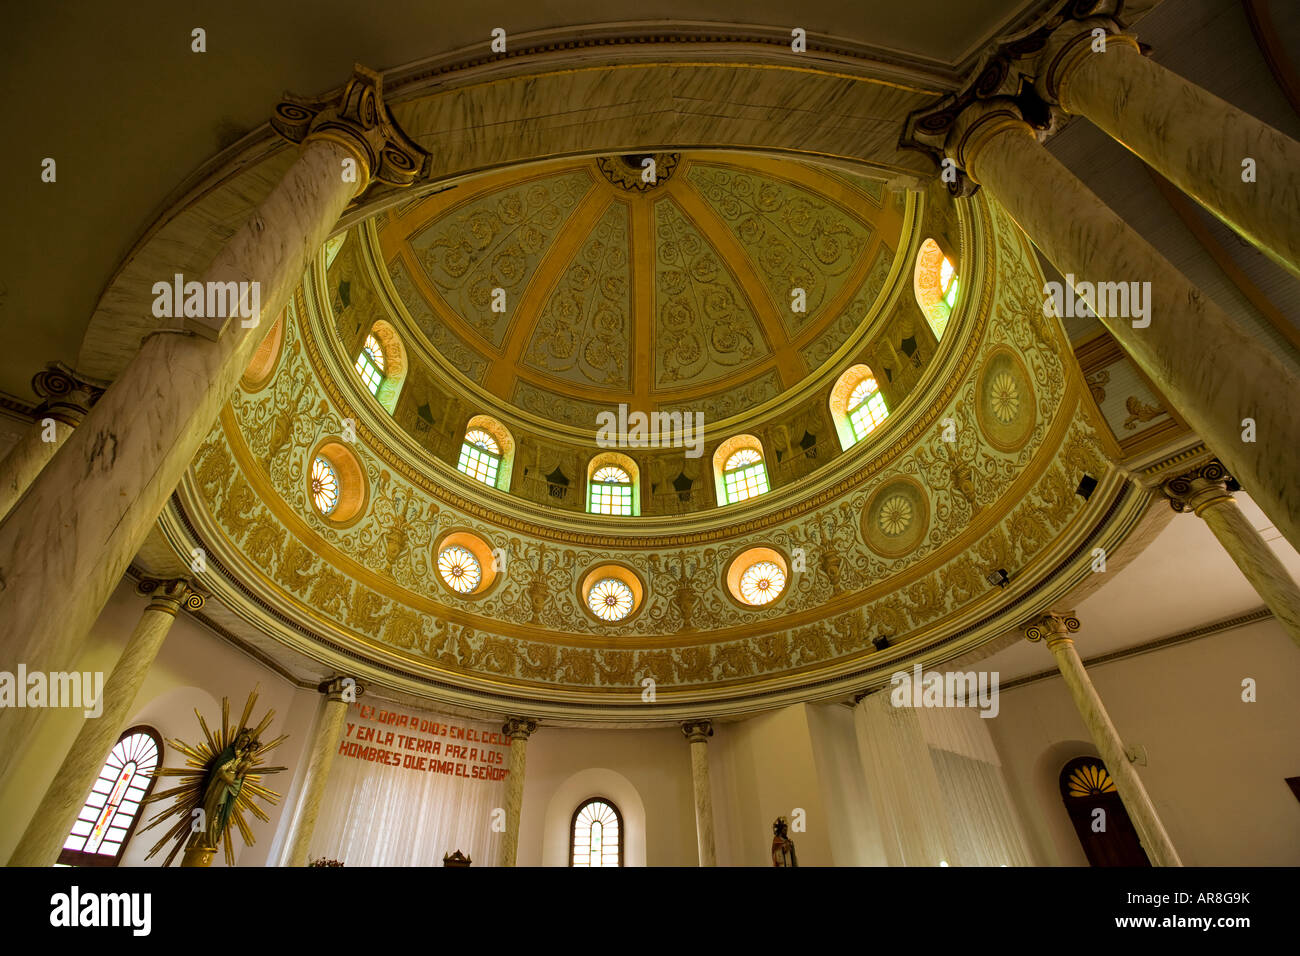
[[647, 773], [194, 668], [1216, 765]]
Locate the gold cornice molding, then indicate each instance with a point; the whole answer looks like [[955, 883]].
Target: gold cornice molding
[[1107, 519]]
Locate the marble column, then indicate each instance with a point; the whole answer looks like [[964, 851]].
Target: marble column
[[518, 729], [1194, 139], [90, 509], [1212, 371], [338, 692], [1055, 630], [50, 826], [698, 733], [66, 398], [1205, 491]]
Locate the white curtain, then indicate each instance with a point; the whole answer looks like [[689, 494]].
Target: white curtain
[[379, 815], [936, 782]]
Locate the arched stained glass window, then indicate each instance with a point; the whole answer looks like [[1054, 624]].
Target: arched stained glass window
[[596, 834], [480, 456], [744, 476], [611, 491], [111, 811], [370, 364], [866, 408]]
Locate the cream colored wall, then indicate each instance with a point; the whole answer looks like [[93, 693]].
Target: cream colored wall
[[650, 766], [1216, 766], [763, 768], [195, 668]]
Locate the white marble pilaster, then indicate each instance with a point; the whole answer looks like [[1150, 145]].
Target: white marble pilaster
[[1055, 629], [698, 733], [518, 729], [1213, 371], [52, 822], [1194, 139], [324, 745], [92, 506], [1204, 492], [66, 398]]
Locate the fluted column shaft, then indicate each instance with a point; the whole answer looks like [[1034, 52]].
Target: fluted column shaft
[[1194, 139], [698, 733], [518, 729], [1204, 493], [67, 397], [1212, 371], [1155, 841], [90, 509], [49, 827], [324, 745]]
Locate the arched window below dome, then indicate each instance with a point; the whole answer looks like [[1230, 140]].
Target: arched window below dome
[[936, 285], [596, 834], [112, 809]]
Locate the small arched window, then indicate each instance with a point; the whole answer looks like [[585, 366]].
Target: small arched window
[[935, 284], [866, 408], [111, 811], [596, 834], [857, 405], [480, 456], [487, 453], [612, 485], [381, 364], [370, 364], [739, 469]]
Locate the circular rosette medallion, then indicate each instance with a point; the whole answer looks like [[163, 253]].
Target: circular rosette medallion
[[1004, 401], [896, 518]]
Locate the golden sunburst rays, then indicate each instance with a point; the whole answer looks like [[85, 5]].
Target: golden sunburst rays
[[221, 777], [1090, 779]]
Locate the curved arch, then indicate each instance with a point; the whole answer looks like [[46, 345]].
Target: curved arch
[[581, 786], [734, 481], [610, 500], [596, 76], [494, 474], [935, 283], [869, 410], [395, 364], [261, 369]]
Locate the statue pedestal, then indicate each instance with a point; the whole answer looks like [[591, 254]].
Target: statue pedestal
[[198, 855]]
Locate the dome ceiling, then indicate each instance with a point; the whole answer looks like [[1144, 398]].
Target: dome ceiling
[[581, 286], [888, 545]]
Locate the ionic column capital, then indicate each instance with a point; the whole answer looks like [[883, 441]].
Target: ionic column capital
[[519, 728], [65, 395], [1055, 627], [1195, 490], [697, 731], [169, 595], [359, 121], [341, 689], [1072, 40]]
